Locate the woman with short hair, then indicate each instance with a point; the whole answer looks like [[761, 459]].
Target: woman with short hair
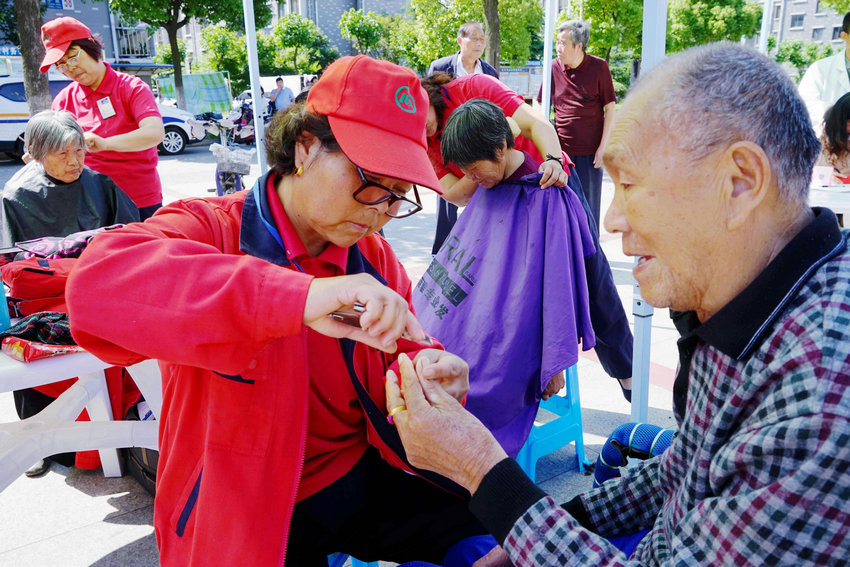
[[117, 111], [56, 194]]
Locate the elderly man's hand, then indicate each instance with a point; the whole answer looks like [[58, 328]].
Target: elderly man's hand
[[437, 433], [553, 174], [450, 370]]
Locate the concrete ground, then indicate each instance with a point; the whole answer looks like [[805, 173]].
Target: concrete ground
[[72, 518]]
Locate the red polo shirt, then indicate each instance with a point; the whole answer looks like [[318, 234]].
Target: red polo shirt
[[336, 431], [131, 101]]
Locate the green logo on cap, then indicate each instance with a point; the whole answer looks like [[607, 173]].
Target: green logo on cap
[[404, 100]]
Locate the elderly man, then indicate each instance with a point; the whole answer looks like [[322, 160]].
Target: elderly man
[[467, 61], [711, 158], [584, 101]]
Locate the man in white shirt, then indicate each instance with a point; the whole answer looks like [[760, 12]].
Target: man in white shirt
[[827, 79]]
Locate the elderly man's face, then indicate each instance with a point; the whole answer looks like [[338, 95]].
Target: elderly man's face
[[667, 208], [473, 44], [66, 164]]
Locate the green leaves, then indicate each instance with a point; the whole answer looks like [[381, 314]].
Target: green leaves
[[363, 28]]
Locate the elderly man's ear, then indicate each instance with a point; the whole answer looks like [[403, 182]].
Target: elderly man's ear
[[749, 182]]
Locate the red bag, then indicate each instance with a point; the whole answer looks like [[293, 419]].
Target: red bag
[[36, 284]]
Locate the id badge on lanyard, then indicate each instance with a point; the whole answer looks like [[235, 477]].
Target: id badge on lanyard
[[104, 105]]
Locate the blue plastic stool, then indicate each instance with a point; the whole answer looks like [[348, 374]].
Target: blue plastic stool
[[560, 432], [338, 560]]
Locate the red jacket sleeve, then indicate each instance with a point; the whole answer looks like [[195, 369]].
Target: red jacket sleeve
[[177, 288]]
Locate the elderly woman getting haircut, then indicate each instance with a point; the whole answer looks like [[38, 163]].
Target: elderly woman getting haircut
[[56, 195]]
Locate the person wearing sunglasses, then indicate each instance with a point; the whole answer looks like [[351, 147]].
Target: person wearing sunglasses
[[117, 111], [272, 444]]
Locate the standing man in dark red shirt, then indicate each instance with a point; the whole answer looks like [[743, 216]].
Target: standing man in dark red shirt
[[584, 100]]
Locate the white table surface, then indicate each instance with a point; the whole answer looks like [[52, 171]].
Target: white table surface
[[835, 197], [17, 375]]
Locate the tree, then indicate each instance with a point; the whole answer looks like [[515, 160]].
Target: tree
[[840, 6], [171, 15], [304, 44], [614, 24], [521, 23], [9, 21], [36, 85], [695, 23], [801, 55], [363, 28], [435, 23], [225, 50], [398, 39], [491, 32]]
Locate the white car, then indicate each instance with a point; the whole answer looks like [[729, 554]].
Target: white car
[[181, 128]]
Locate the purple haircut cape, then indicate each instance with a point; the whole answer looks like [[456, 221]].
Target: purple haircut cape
[[507, 292]]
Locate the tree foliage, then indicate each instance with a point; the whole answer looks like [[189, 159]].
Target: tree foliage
[[302, 44], [840, 6], [9, 21], [695, 23], [800, 55], [363, 28], [225, 50], [435, 24], [614, 24], [171, 15]]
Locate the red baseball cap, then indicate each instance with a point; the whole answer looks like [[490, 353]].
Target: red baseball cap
[[57, 35], [377, 112]]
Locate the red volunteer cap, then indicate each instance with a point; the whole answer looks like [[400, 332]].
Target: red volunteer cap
[[57, 35], [377, 112]]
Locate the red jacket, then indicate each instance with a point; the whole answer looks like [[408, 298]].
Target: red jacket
[[200, 287]]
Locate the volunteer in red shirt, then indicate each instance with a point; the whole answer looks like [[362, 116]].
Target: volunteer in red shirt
[[272, 443], [117, 111]]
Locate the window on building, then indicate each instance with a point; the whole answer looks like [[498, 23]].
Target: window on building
[[817, 34], [836, 33], [818, 9], [797, 20], [776, 11]]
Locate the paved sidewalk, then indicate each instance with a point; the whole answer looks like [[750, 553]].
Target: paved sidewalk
[[76, 518]]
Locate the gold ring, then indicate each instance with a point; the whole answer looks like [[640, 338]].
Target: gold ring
[[396, 409]]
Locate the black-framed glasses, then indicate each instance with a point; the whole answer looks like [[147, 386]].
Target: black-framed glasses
[[71, 61], [371, 193]]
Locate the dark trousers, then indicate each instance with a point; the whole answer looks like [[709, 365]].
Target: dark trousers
[[446, 219], [591, 183], [147, 212], [377, 511], [614, 341]]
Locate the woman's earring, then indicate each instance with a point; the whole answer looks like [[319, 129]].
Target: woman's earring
[[299, 171]]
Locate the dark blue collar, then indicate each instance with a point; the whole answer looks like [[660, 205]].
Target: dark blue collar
[[259, 235]]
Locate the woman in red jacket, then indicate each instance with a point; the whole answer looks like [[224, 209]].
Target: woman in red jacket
[[272, 446]]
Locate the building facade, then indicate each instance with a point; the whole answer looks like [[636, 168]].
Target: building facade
[[805, 20]]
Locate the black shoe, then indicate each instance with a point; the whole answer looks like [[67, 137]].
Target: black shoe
[[626, 393], [38, 469]]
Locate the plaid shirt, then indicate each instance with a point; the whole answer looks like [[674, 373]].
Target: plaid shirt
[[759, 473]]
